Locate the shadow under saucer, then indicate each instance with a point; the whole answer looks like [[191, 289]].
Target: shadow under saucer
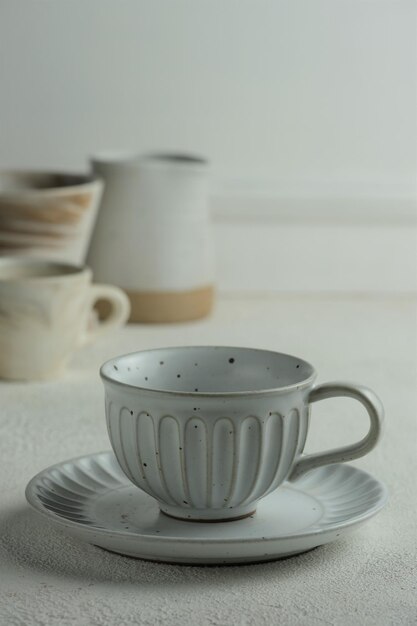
[[29, 541]]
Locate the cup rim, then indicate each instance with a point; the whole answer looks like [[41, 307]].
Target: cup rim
[[175, 158], [160, 160], [81, 181], [64, 271], [107, 368]]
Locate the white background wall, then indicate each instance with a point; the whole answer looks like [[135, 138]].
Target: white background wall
[[305, 107]]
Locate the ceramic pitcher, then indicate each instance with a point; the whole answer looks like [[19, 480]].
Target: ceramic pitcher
[[152, 236]]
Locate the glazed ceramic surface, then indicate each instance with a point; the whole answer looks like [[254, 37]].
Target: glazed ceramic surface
[[95, 502], [48, 215], [152, 235], [209, 431], [45, 310]]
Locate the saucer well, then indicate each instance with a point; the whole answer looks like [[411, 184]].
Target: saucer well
[[92, 499]]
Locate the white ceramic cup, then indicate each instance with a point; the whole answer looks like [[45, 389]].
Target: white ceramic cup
[[45, 314], [208, 431]]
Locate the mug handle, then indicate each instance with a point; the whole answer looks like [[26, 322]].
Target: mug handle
[[375, 410], [119, 313]]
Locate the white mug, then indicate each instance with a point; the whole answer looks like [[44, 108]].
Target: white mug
[[152, 236], [45, 312], [209, 431]]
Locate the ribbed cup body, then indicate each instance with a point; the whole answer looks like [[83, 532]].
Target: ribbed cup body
[[206, 458]]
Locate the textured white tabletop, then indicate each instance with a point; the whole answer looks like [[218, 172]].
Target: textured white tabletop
[[366, 578]]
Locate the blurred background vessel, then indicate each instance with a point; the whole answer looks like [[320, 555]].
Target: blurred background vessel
[[152, 236]]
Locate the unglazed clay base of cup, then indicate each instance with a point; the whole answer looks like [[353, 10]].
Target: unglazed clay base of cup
[[170, 306]]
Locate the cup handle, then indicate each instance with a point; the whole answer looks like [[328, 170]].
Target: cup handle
[[119, 313], [375, 410]]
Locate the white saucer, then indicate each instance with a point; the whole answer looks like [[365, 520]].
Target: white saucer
[[94, 501]]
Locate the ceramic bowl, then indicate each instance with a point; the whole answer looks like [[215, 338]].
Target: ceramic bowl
[[48, 215]]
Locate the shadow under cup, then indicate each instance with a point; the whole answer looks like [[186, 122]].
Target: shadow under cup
[[207, 431], [46, 314]]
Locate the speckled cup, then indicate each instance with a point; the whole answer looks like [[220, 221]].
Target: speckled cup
[[209, 431]]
